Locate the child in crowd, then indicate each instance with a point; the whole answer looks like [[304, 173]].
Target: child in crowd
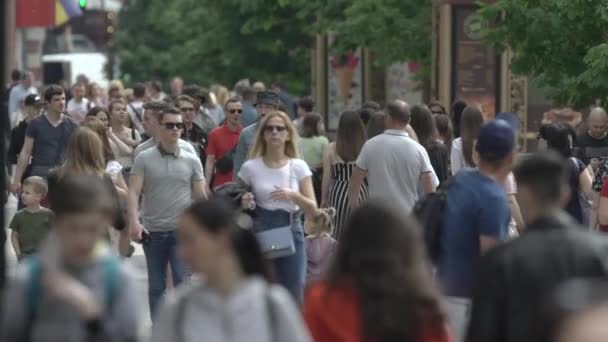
[[320, 245], [73, 289], [31, 224]]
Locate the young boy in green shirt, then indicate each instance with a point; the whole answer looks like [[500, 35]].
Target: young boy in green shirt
[[31, 224]]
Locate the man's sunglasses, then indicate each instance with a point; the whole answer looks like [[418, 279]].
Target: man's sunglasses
[[187, 109], [277, 129], [173, 125], [233, 111]]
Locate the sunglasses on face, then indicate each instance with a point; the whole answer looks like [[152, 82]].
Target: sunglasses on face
[[173, 125], [187, 109], [278, 129], [437, 112], [234, 111]]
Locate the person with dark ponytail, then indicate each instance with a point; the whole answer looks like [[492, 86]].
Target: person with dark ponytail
[[233, 286], [379, 286]]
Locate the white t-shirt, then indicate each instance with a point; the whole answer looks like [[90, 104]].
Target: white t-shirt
[[457, 157], [265, 180], [394, 163], [78, 110]]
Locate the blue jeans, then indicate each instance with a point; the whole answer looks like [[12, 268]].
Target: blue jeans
[[290, 270], [160, 251]]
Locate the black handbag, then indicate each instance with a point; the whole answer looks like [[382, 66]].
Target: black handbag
[[226, 163]]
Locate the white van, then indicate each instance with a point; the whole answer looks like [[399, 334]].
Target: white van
[[67, 66]]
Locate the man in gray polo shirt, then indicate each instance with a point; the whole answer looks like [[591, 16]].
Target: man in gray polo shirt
[[394, 164], [168, 178], [152, 111]]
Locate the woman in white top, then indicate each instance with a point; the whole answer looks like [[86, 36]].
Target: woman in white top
[[125, 138], [282, 187], [231, 299], [461, 155]]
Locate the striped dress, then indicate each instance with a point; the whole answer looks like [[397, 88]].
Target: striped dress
[[341, 172]]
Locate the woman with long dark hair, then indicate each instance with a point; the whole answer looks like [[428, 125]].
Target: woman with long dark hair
[[457, 109], [282, 186], [424, 125], [380, 286], [461, 155], [338, 162], [561, 138], [233, 299], [376, 125]]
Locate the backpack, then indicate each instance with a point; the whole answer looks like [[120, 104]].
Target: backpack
[[34, 287], [429, 212]]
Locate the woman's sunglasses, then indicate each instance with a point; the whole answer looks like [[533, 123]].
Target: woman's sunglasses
[[277, 129]]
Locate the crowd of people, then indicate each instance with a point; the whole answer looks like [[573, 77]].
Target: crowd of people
[[271, 229]]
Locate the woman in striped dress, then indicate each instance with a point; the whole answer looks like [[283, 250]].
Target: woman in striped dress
[[338, 163]]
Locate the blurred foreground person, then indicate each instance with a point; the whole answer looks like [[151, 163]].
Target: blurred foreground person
[[74, 290], [232, 300], [514, 279], [579, 312], [379, 287]]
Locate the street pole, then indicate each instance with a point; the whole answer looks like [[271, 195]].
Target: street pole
[[3, 129]]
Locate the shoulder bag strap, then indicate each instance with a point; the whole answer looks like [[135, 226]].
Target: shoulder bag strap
[[290, 176]]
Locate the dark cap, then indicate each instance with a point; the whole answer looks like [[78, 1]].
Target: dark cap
[[32, 100], [510, 118], [496, 140], [268, 97]]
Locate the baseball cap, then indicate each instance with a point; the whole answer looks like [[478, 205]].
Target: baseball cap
[[496, 140], [268, 97], [32, 100], [510, 118]]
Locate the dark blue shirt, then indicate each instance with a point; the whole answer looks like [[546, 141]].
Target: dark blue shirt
[[50, 142], [476, 206]]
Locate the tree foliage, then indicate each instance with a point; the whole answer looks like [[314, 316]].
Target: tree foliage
[[562, 45], [223, 41], [394, 30], [207, 41]]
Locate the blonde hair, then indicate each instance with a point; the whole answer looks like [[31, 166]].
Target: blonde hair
[[291, 145], [84, 155], [322, 222], [39, 185], [221, 93]]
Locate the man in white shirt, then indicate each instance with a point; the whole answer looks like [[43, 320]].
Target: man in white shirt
[[78, 105], [20, 91], [394, 164]]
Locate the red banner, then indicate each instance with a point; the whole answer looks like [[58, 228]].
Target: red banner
[[35, 13]]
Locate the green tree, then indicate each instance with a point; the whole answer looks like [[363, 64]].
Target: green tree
[[561, 45], [393, 30], [208, 41]]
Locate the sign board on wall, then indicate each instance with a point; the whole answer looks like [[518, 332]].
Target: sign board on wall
[[475, 66]]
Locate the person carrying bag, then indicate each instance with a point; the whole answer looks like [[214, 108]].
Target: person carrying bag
[[281, 185]]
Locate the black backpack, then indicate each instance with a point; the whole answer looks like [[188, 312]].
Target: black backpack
[[429, 212]]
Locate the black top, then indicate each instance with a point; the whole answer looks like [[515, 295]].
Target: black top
[[588, 147], [17, 141], [516, 279], [438, 153], [198, 138]]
